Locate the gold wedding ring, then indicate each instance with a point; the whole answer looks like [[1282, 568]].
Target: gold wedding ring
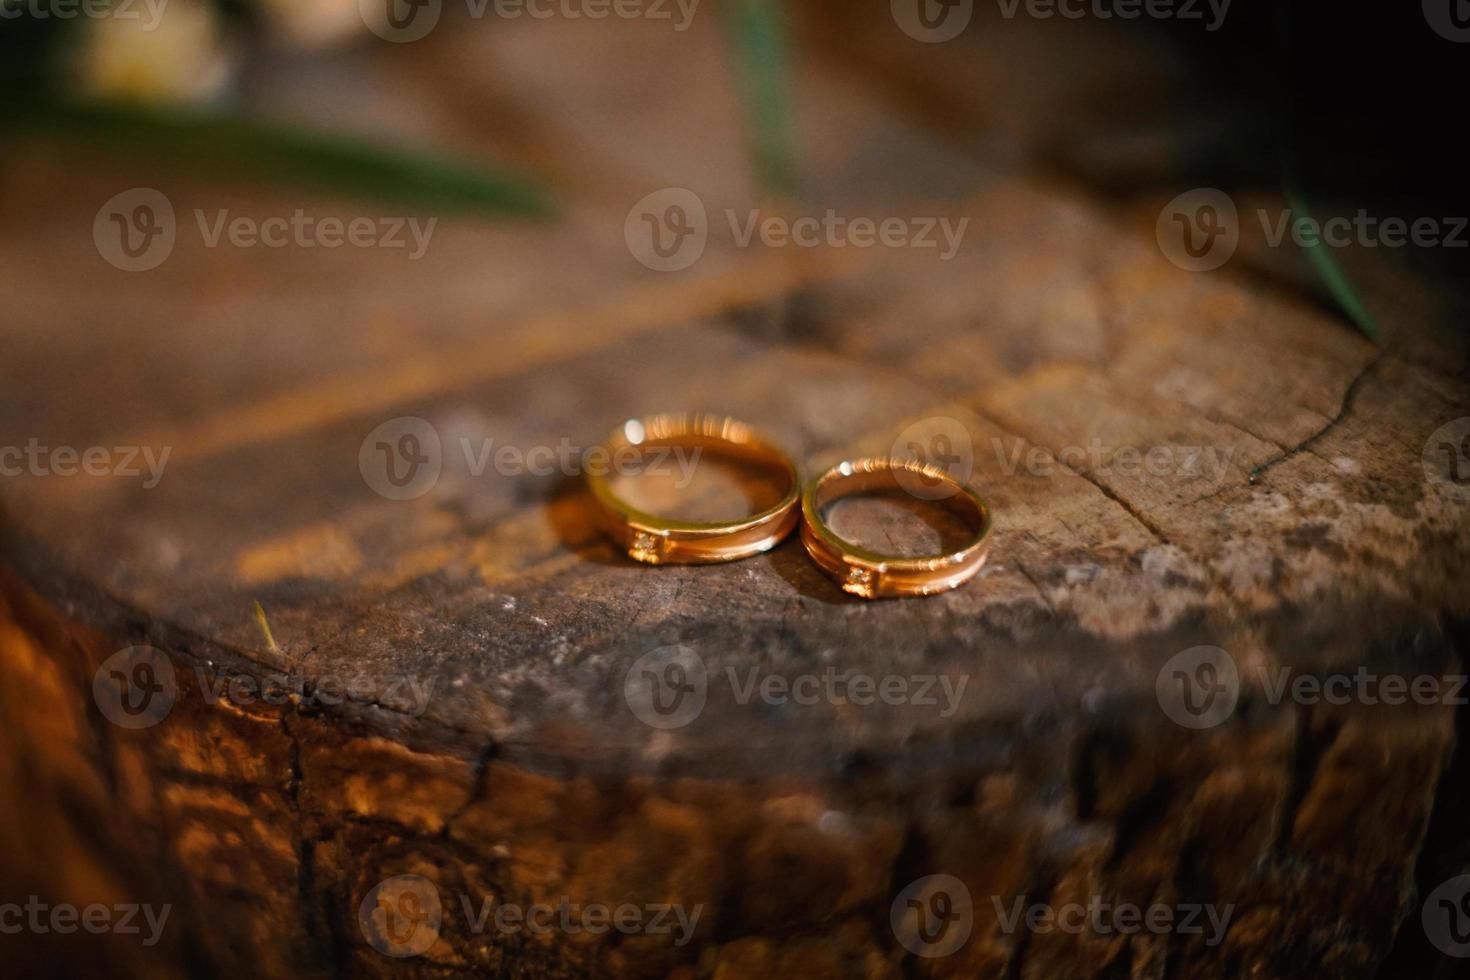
[[660, 540], [874, 576]]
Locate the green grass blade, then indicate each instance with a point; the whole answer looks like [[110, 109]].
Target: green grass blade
[[1339, 287], [231, 144], [757, 30]]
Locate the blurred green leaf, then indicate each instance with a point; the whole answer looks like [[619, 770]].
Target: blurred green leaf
[[232, 144], [757, 30], [1336, 281]]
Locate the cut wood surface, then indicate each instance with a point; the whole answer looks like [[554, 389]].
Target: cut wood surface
[[1174, 459]]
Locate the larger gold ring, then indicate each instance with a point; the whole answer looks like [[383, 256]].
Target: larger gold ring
[[871, 575], [661, 540]]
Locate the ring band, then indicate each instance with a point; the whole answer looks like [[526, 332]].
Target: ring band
[[874, 576], [660, 540]]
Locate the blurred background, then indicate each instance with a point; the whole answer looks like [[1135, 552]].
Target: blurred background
[[535, 172], [479, 112]]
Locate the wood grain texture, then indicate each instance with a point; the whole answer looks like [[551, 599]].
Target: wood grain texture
[[1293, 524]]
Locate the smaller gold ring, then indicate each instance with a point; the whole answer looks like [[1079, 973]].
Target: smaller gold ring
[[659, 540], [875, 576]]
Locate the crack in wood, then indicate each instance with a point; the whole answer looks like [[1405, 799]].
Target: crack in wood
[[1349, 396]]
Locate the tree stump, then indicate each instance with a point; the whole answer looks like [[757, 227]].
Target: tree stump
[[451, 686]]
